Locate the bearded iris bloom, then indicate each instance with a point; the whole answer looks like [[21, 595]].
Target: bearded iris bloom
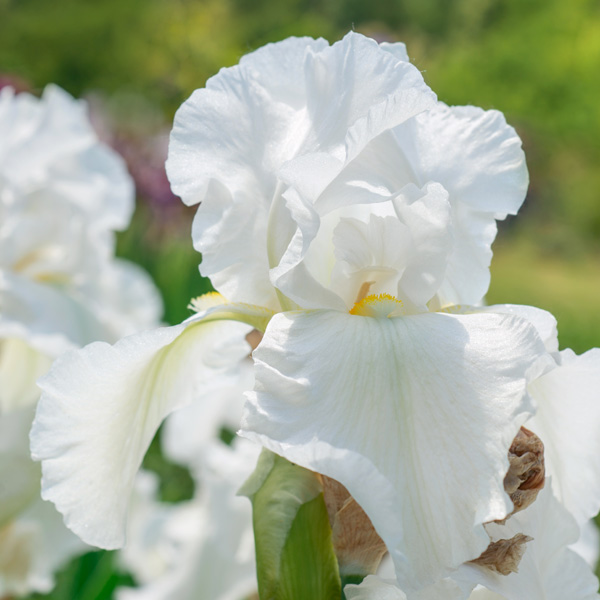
[[348, 216]]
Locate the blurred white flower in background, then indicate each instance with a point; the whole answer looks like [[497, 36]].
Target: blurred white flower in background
[[202, 549], [62, 197]]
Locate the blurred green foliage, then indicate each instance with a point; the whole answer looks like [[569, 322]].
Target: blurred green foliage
[[536, 60]]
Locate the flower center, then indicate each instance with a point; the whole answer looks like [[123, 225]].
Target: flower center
[[378, 306]]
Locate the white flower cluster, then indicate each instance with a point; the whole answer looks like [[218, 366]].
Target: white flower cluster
[[348, 215], [62, 196]]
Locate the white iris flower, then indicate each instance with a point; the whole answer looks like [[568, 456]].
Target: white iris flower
[[345, 213]]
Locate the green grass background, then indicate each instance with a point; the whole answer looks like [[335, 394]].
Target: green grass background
[[536, 60]]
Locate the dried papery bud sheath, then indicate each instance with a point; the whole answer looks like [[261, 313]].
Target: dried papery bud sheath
[[524, 480], [526, 473], [358, 547], [254, 338], [504, 556]]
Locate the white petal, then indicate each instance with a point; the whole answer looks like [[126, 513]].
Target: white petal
[[291, 108], [473, 153], [147, 554], [228, 142], [567, 422], [467, 275], [398, 49], [588, 544], [427, 215], [355, 91], [414, 415], [50, 241], [400, 247], [373, 588], [376, 588], [542, 320], [33, 540], [477, 158], [480, 593], [101, 407], [377, 252], [187, 432], [237, 130], [230, 230], [549, 570]]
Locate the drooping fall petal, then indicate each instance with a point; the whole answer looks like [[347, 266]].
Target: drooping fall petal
[[101, 407], [363, 400]]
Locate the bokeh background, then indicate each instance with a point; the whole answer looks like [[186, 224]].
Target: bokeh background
[[136, 61]]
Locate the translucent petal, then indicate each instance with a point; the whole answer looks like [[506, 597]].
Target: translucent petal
[[101, 407]]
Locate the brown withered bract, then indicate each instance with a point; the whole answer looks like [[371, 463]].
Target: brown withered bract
[[504, 556], [358, 547], [525, 478], [526, 473], [254, 338]]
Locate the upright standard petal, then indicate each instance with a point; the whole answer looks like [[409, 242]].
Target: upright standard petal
[[363, 400], [101, 407], [294, 107], [397, 247], [474, 155]]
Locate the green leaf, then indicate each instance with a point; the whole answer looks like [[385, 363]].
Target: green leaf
[[294, 554]]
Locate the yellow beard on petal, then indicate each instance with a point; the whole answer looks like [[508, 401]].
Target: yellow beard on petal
[[378, 306]]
